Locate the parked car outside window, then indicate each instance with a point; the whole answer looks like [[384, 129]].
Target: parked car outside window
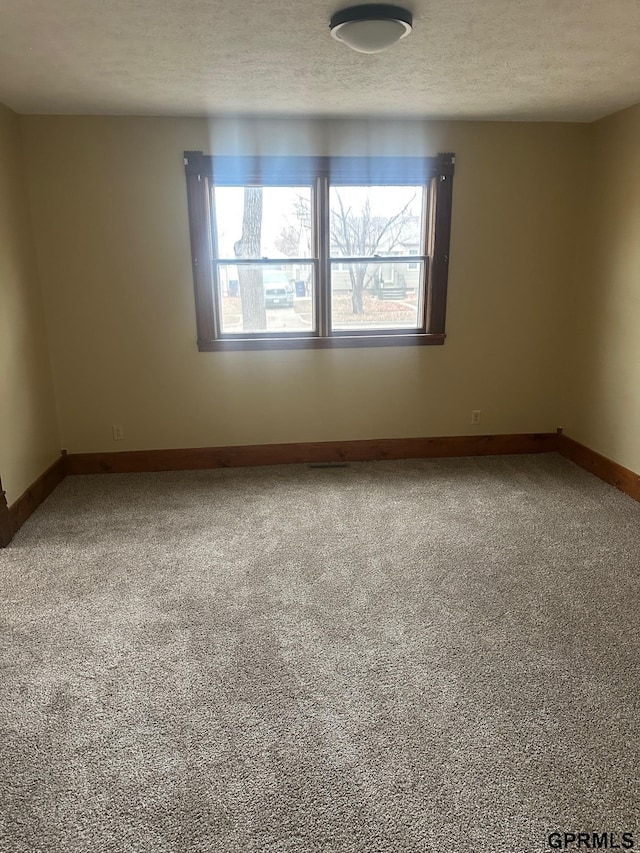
[[278, 290]]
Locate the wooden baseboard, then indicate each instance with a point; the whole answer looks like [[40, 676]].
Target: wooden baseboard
[[321, 451], [12, 518], [5, 522], [606, 469]]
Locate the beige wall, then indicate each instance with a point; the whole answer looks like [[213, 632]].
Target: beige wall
[[602, 406], [109, 207], [29, 439]]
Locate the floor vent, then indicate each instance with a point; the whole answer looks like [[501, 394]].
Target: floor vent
[[328, 465]]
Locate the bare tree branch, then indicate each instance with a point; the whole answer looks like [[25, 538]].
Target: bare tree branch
[[362, 234]]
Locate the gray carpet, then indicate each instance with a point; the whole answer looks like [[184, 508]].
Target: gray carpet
[[435, 655]]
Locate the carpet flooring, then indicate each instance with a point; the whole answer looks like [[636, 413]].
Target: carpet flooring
[[431, 655]]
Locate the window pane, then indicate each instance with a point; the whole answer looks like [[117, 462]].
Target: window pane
[[265, 298], [375, 221], [376, 296], [277, 222]]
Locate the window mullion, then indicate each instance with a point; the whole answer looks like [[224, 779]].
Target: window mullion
[[323, 292]]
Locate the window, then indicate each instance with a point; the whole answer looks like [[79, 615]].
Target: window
[[319, 252]]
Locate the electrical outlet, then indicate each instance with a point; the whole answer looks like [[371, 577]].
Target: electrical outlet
[[475, 417], [118, 433]]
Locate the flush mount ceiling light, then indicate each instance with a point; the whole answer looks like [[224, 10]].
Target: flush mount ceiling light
[[372, 27]]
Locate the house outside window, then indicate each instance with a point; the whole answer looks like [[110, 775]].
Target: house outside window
[[319, 252]]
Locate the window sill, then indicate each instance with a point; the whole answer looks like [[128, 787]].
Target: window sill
[[337, 342]]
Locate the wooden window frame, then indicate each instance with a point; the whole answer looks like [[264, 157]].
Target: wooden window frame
[[203, 172]]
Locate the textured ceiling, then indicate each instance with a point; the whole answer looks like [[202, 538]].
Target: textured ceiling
[[573, 60]]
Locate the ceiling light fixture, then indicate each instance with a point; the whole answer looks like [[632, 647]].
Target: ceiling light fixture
[[372, 27]]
